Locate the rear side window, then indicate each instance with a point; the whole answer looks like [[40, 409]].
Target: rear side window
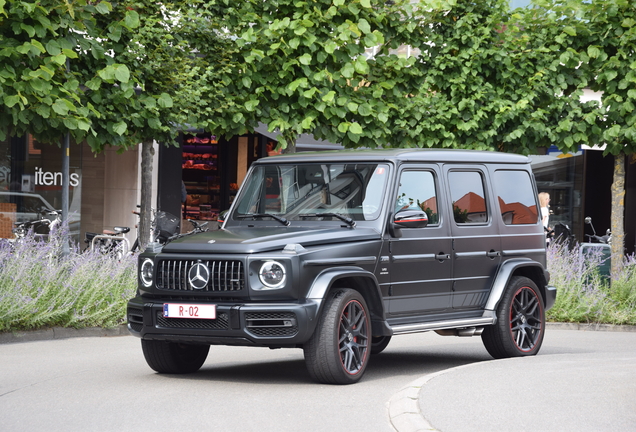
[[516, 198], [468, 197]]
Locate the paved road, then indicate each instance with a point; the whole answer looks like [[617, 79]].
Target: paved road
[[104, 384], [582, 381]]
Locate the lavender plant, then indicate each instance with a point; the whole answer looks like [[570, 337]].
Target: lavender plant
[[584, 296], [39, 287]]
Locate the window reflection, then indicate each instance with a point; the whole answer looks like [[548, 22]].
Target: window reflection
[[516, 198], [468, 197], [417, 191]]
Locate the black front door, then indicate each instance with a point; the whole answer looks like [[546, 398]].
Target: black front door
[[421, 259]]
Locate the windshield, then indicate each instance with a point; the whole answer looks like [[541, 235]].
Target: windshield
[[305, 191]]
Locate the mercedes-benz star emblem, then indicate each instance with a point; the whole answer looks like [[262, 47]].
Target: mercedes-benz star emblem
[[198, 276]]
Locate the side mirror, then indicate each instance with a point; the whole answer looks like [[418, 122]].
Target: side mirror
[[411, 219], [221, 219], [588, 220]]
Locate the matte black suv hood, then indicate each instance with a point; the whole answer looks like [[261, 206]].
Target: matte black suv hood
[[257, 239]]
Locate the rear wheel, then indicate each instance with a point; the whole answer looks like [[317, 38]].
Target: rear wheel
[[174, 358], [520, 321], [379, 343], [338, 352]]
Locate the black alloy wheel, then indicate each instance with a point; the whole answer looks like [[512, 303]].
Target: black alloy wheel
[[525, 319], [338, 352], [353, 337], [520, 321]]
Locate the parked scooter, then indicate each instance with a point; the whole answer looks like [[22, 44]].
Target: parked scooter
[[606, 239], [600, 244]]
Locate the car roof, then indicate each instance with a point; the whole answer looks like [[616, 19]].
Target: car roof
[[400, 156]]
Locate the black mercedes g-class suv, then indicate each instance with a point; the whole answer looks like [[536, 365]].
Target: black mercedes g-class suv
[[336, 252]]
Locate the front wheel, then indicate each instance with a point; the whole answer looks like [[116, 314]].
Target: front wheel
[[520, 321], [338, 351], [174, 358]]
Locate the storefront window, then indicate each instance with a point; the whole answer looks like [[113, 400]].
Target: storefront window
[[213, 170], [201, 176], [31, 182], [561, 176]]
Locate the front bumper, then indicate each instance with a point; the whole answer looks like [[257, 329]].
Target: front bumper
[[251, 324]]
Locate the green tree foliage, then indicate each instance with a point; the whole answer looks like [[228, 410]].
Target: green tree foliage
[[37, 93], [602, 48], [494, 81], [303, 69], [607, 40], [146, 81], [115, 74]]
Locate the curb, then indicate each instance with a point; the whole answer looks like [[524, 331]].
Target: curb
[[404, 406], [61, 333], [590, 327]]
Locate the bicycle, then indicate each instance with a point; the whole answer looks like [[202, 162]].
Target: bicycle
[[110, 242], [21, 229], [163, 226]]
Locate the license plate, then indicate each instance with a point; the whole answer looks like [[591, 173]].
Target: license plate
[[198, 311]]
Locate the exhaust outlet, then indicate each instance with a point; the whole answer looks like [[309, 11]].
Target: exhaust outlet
[[461, 332]]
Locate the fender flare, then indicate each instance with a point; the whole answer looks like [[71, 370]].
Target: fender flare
[[325, 280], [504, 274]]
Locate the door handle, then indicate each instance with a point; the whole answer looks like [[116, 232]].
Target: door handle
[[442, 256], [493, 254]]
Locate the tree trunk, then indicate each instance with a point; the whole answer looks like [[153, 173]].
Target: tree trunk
[[147, 153], [618, 212]]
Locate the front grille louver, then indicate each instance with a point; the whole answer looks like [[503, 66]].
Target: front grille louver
[[225, 275]]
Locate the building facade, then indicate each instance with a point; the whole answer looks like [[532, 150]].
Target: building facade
[[104, 188]]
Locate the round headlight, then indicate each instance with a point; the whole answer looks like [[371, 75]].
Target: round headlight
[[145, 272], [272, 274]]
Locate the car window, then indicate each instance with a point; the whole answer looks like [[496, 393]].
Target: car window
[[468, 197], [305, 191], [418, 191], [515, 194]]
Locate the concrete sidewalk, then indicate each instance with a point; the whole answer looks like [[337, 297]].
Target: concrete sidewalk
[[580, 381]]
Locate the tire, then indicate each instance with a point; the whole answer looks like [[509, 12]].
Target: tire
[[173, 357], [520, 322], [338, 351], [379, 343]]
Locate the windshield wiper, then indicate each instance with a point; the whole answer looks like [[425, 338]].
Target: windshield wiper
[[262, 215], [345, 219]]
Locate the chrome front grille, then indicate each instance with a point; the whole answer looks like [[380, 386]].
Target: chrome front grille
[[224, 275]]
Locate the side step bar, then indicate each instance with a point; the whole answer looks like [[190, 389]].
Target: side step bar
[[489, 318]]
